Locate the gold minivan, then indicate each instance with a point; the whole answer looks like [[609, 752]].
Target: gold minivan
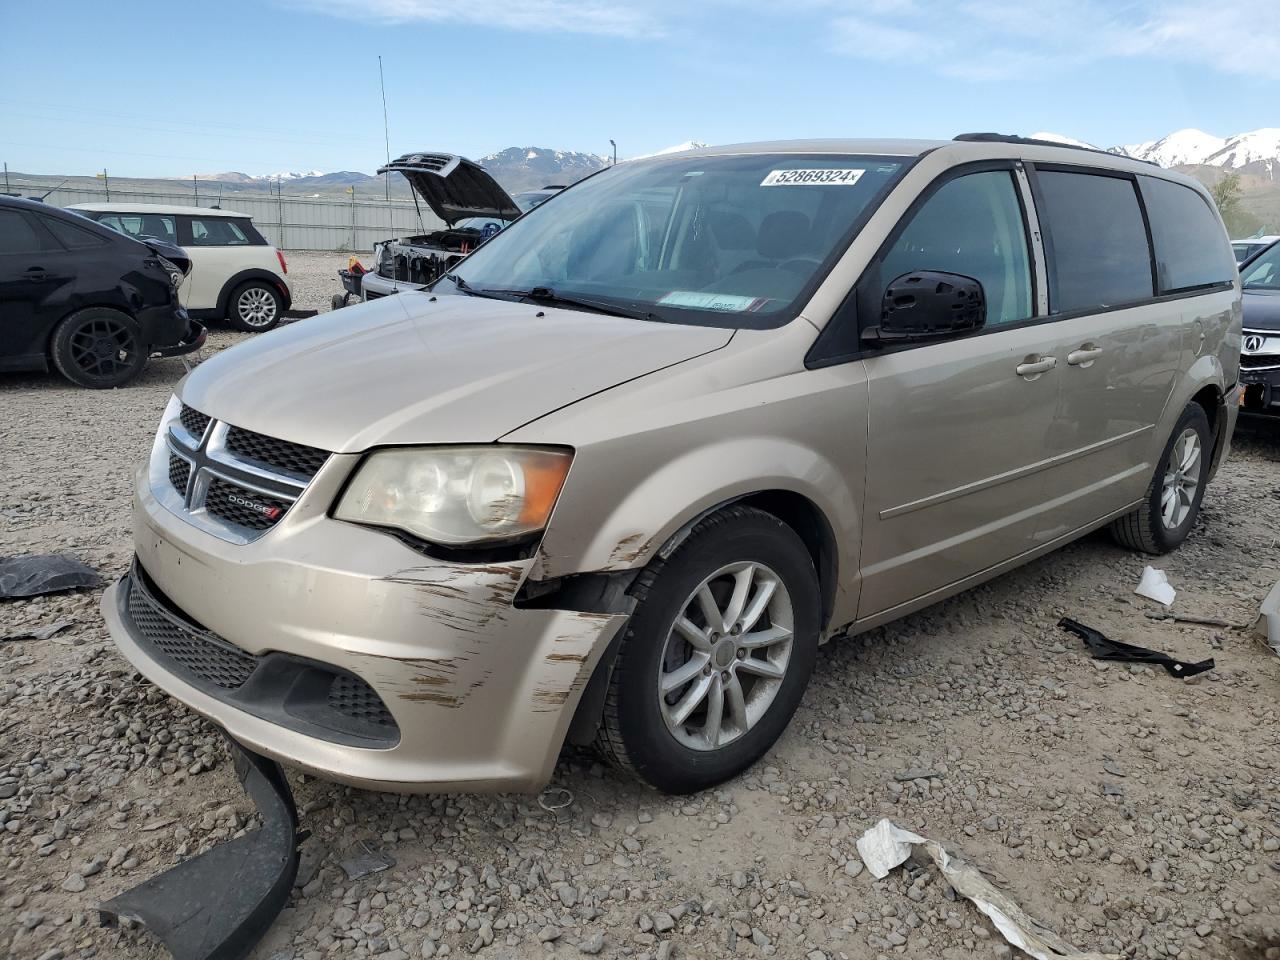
[[616, 475]]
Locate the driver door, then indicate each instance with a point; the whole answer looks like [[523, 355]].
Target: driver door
[[958, 427]]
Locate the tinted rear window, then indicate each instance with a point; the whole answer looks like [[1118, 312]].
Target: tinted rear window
[[71, 236], [1100, 252], [1191, 247], [19, 235]]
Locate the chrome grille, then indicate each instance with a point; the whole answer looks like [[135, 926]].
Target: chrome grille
[[193, 421], [229, 481], [1259, 361], [1260, 350], [293, 458], [179, 473], [243, 508]]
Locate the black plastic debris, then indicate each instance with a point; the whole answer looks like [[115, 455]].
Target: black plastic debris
[[1104, 648], [217, 906], [38, 633], [35, 576]]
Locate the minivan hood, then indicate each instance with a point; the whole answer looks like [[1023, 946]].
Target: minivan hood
[[1261, 309], [454, 187], [416, 369]]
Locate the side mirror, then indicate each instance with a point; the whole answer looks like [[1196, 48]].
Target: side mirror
[[927, 305]]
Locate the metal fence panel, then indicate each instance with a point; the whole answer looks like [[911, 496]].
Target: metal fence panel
[[291, 223]]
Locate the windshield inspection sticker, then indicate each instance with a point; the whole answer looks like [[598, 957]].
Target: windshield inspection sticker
[[727, 302], [812, 178]]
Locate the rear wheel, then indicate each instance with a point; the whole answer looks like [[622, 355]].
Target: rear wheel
[[1173, 499], [98, 348], [717, 654], [255, 307]]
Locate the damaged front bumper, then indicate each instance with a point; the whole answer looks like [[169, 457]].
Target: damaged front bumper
[[338, 649]]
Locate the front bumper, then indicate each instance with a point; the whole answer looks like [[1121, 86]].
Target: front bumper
[[1260, 392], [482, 692]]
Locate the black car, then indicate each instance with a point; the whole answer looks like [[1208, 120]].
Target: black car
[[1260, 346], [86, 300]]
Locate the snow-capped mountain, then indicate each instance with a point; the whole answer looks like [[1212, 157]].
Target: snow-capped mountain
[[1256, 152], [529, 168]]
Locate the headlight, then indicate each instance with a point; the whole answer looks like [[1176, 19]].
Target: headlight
[[457, 495]]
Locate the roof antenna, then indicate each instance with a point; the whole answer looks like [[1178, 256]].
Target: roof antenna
[[45, 196], [386, 132]]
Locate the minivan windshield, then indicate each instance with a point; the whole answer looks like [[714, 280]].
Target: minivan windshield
[[1263, 273], [732, 241]]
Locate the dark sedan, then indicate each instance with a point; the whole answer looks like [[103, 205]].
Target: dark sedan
[[85, 300], [1260, 347]]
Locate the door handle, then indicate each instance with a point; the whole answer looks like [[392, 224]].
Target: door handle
[[1031, 368], [1084, 356], [36, 273]]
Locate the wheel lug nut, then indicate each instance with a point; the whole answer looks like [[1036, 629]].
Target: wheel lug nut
[[706, 671], [737, 629], [725, 676], [742, 654]]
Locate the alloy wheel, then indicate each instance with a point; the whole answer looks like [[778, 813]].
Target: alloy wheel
[[256, 307], [103, 348], [1181, 480], [725, 656]]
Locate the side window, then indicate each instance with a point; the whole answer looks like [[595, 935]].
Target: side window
[[216, 233], [971, 226], [1099, 242], [1191, 246], [71, 236], [18, 234]]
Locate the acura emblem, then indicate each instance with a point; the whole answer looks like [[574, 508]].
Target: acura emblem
[[1253, 343]]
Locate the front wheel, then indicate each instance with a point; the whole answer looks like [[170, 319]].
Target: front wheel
[[717, 653], [255, 307], [1173, 499]]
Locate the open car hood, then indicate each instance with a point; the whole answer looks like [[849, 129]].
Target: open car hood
[[454, 187]]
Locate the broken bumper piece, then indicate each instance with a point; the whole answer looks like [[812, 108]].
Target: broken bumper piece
[[218, 905], [1104, 648]]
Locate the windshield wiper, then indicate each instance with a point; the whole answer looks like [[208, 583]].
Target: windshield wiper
[[462, 286], [551, 298]]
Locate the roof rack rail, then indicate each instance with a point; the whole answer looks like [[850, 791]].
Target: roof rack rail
[[1032, 141]]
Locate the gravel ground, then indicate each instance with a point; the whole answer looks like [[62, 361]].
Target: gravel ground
[[1130, 812]]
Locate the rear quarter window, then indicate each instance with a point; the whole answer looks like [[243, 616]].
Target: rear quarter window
[[1190, 243], [71, 236], [215, 232], [1100, 256]]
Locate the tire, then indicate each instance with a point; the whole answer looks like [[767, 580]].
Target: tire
[[255, 307], [1158, 526], [644, 733], [98, 348]]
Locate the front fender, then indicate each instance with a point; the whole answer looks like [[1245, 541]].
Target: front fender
[[677, 492]]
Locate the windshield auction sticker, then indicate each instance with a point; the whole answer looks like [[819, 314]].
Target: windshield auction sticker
[[727, 302], [812, 178]]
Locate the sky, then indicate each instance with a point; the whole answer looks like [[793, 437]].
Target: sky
[[259, 86]]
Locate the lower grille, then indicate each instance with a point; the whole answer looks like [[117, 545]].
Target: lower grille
[[244, 508], [196, 652], [304, 695], [353, 697]]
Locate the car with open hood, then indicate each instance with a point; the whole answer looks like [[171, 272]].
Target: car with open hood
[[472, 206], [614, 477], [1260, 346], [86, 301]]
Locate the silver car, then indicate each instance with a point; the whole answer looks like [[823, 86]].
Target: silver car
[[616, 476]]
